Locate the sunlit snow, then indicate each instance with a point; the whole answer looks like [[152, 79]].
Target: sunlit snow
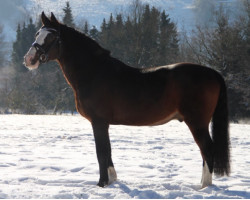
[[54, 157]]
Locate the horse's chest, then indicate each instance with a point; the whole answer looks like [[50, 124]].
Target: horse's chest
[[83, 104]]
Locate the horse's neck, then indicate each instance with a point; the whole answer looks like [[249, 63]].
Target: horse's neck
[[76, 69], [80, 67]]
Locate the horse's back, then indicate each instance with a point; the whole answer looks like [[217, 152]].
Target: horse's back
[[189, 70]]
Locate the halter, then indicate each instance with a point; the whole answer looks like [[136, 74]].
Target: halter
[[43, 57]]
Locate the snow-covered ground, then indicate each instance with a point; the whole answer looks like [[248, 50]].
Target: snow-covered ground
[[54, 157]]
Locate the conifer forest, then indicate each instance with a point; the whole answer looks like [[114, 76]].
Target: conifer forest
[[143, 36]]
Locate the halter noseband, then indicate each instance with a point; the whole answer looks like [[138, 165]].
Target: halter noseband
[[43, 57]]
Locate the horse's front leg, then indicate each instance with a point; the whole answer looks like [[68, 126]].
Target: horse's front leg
[[103, 151]]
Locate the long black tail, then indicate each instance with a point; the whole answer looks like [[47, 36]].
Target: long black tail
[[220, 133]]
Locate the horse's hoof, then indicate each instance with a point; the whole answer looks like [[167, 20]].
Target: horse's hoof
[[102, 184], [112, 175], [206, 179]]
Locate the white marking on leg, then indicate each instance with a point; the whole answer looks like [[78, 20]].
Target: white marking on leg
[[206, 179], [112, 175]]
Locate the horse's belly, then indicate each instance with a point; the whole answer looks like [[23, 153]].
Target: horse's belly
[[148, 117], [168, 118]]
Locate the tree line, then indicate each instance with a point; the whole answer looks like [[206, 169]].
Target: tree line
[[144, 37]]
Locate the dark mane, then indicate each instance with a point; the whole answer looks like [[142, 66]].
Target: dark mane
[[82, 41], [79, 43]]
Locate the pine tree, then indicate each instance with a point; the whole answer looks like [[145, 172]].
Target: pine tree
[[23, 96], [86, 28], [68, 17], [117, 37], [150, 30], [168, 46], [119, 22], [110, 32], [94, 33], [17, 49], [24, 39], [31, 30], [104, 34], [104, 25], [129, 41], [2, 45], [110, 24]]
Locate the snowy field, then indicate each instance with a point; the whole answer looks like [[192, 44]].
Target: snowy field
[[54, 157]]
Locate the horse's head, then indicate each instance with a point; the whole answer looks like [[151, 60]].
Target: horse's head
[[47, 43]]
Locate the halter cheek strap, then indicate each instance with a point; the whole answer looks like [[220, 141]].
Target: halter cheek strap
[[43, 55]]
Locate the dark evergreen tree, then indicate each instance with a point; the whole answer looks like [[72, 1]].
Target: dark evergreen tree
[[94, 33], [103, 33], [117, 38], [86, 28], [17, 48], [110, 22], [3, 46], [24, 38], [104, 25], [168, 40], [68, 17], [129, 41], [110, 33], [22, 97], [150, 31]]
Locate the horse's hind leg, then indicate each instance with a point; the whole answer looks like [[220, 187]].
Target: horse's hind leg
[[204, 141], [206, 178], [111, 171], [103, 151]]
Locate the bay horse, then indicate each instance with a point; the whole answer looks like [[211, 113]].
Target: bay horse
[[107, 91]]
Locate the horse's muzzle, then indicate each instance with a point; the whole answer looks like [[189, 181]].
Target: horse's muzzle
[[30, 62]]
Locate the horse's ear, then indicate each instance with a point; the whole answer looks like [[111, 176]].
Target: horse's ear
[[45, 19], [53, 18]]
